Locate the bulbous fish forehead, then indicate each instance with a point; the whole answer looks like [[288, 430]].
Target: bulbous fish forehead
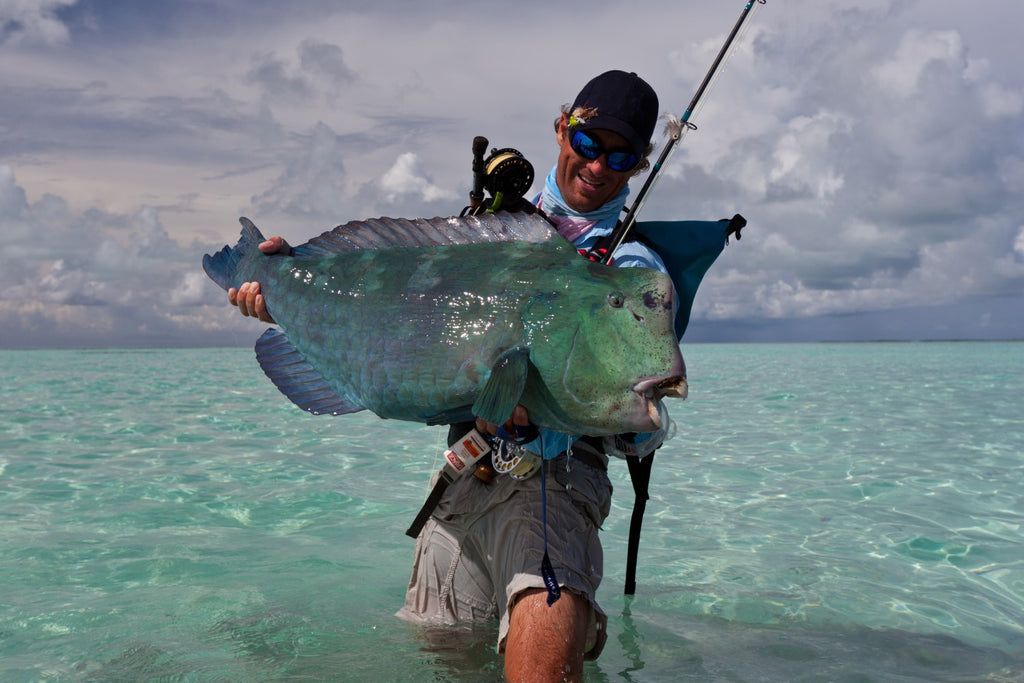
[[654, 287]]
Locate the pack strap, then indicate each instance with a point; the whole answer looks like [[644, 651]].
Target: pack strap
[[640, 474], [429, 505]]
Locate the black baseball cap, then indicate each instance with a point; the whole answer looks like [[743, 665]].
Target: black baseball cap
[[624, 104]]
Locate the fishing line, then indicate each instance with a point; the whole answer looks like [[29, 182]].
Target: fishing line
[[728, 56]]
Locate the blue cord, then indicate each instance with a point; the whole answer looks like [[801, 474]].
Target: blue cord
[[547, 572]]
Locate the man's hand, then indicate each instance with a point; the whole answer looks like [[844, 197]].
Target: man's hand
[[516, 426], [247, 297]]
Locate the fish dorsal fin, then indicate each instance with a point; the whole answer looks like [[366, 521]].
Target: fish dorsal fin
[[290, 372], [504, 386], [383, 233]]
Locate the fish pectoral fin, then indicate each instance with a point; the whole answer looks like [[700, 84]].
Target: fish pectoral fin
[[504, 387], [290, 372], [447, 417]]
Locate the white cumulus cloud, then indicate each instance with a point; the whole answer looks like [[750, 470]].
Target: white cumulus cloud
[[407, 176], [31, 21]]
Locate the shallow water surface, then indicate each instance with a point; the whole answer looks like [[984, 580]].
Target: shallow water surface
[[849, 512]]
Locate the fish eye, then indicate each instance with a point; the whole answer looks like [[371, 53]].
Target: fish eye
[[616, 300]]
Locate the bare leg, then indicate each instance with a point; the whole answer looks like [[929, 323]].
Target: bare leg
[[546, 643]]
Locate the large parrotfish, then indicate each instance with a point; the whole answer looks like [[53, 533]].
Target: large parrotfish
[[439, 320]]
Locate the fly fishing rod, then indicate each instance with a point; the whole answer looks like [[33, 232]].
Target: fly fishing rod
[[678, 128]]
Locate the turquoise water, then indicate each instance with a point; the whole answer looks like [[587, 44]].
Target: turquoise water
[[848, 512]]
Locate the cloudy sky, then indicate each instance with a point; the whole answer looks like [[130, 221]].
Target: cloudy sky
[[875, 146]]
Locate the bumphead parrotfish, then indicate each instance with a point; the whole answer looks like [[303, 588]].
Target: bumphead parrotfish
[[439, 320]]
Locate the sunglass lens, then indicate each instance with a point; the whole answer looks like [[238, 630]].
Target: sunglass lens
[[585, 146], [621, 161]]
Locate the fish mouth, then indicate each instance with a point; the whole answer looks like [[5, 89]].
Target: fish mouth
[[650, 391]]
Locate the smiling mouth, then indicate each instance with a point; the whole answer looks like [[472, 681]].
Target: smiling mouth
[[589, 183]]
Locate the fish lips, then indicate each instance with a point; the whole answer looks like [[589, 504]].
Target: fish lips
[[650, 390]]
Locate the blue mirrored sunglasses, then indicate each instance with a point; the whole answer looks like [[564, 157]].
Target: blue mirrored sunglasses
[[589, 148]]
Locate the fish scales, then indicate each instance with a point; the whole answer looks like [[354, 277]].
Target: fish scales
[[440, 319]]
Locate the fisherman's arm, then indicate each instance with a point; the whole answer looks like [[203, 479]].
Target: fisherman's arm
[[247, 297], [638, 255]]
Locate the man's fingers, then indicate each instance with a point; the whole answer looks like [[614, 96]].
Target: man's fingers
[[485, 427], [249, 301], [513, 427], [243, 299], [248, 292], [519, 417], [247, 297], [260, 308], [274, 245]]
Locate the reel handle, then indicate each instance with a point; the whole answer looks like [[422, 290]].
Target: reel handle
[[476, 195]]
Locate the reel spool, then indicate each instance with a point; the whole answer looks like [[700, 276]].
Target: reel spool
[[508, 172]]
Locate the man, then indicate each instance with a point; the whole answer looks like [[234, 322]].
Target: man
[[479, 555]]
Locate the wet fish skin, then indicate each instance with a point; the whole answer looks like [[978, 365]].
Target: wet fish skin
[[436, 321]]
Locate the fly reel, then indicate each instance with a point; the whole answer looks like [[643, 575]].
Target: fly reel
[[505, 174], [515, 461], [507, 171]]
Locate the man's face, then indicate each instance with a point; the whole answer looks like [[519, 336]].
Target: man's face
[[588, 185]]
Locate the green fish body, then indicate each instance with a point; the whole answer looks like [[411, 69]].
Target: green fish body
[[439, 320]]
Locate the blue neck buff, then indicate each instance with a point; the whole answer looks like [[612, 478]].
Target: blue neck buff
[[573, 225]]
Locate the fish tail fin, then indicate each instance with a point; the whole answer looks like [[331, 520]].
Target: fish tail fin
[[221, 266]]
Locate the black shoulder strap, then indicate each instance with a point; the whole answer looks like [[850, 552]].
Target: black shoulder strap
[[640, 474]]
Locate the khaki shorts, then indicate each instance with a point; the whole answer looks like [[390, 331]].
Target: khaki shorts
[[484, 544]]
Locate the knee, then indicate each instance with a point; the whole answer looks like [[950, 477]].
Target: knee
[[546, 642]]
